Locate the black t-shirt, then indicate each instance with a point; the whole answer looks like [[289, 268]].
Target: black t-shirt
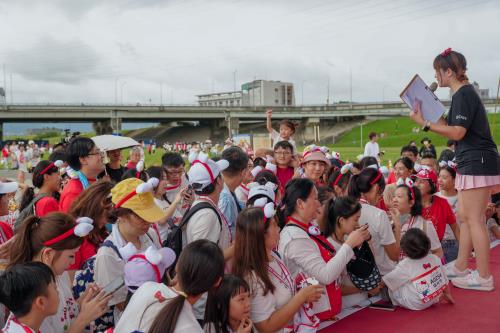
[[476, 153], [114, 174]]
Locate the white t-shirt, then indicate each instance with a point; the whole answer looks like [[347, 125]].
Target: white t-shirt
[[145, 305], [430, 231], [492, 224], [416, 284], [301, 255], [263, 306], [242, 194], [204, 224], [67, 310], [275, 137], [381, 232], [13, 326], [353, 299], [453, 200], [371, 149], [108, 265]]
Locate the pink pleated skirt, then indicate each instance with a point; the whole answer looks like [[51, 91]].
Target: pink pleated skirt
[[467, 182]]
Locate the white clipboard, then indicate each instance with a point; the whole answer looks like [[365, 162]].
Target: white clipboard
[[432, 108]]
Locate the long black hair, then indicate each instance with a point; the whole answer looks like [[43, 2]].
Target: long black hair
[[364, 181], [37, 181], [298, 188], [219, 300], [200, 266], [335, 209]]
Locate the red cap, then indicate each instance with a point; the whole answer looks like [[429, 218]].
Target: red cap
[[428, 174]]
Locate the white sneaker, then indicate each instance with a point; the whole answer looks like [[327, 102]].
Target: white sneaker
[[452, 271], [474, 282]]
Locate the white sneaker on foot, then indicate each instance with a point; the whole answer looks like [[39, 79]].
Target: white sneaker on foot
[[474, 282], [453, 272]]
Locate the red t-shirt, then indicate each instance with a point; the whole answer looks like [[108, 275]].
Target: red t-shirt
[[440, 214], [131, 165], [6, 232], [392, 177], [86, 250], [70, 192], [284, 175], [46, 205]]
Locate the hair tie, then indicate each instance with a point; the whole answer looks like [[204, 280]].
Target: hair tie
[[181, 293], [446, 52]]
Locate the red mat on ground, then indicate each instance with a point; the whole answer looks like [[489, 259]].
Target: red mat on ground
[[473, 311]]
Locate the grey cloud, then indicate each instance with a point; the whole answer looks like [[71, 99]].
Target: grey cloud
[[51, 60]]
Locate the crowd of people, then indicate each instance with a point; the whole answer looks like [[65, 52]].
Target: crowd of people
[[277, 241]]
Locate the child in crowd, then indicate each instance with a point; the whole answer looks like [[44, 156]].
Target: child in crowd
[[407, 208], [29, 291], [48, 181], [283, 155], [419, 280], [446, 182], [228, 307], [287, 129]]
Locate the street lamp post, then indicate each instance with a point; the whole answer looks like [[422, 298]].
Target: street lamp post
[[121, 91], [302, 97]]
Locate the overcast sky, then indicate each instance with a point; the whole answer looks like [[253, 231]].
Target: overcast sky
[[76, 50]]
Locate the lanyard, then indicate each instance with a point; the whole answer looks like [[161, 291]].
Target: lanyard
[[297, 222], [361, 200], [207, 199], [284, 277]]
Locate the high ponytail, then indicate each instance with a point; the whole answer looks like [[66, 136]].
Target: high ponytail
[[28, 196], [364, 181], [37, 181]]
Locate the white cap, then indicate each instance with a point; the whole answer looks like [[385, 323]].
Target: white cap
[[267, 190], [9, 187], [203, 170]]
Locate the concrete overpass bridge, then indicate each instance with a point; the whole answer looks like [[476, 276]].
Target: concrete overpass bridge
[[108, 118]]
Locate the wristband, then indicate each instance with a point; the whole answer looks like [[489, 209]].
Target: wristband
[[426, 126]]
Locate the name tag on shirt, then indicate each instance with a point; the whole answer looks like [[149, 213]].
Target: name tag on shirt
[[430, 285]]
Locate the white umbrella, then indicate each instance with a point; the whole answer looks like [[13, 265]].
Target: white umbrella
[[112, 142]]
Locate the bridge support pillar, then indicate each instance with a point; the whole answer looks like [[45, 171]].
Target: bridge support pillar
[[1, 131], [311, 131], [116, 125], [102, 127], [234, 125]]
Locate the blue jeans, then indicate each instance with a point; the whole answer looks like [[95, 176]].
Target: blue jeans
[[450, 249]]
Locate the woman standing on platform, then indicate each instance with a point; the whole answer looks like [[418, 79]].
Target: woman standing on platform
[[478, 167]]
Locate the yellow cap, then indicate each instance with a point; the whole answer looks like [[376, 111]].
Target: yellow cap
[[142, 204]]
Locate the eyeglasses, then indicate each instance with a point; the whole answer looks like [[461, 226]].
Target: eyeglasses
[[283, 153], [100, 153]]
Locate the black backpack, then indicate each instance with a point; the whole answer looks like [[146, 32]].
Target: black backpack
[[174, 238], [29, 210]]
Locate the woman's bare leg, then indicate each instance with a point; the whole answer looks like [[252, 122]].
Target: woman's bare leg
[[473, 231]]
